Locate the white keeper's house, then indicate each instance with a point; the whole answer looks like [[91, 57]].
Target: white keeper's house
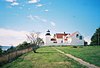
[[64, 39]]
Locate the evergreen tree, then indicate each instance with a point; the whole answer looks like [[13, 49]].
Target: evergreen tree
[[23, 45], [95, 39], [0, 50], [11, 49]]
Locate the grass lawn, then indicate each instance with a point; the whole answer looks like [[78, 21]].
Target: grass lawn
[[46, 57], [90, 54]]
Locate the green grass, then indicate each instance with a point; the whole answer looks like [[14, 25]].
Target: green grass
[[90, 54], [46, 57]]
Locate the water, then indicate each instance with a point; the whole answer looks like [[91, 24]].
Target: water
[[5, 47]]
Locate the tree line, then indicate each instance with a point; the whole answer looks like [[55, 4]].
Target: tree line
[[34, 41], [95, 39]]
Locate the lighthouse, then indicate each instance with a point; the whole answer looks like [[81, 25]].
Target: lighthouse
[[48, 38]]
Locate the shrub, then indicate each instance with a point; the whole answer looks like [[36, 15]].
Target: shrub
[[74, 46], [0, 51]]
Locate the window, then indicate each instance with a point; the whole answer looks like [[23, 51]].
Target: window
[[66, 37], [80, 37], [77, 35], [55, 42], [62, 41]]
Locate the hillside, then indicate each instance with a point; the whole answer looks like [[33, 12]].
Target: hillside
[[46, 57]]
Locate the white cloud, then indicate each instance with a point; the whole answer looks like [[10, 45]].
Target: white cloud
[[40, 19], [36, 17], [52, 23], [13, 37], [9, 6], [87, 39], [44, 20], [30, 17], [33, 1], [14, 4], [39, 5], [46, 10], [10, 0]]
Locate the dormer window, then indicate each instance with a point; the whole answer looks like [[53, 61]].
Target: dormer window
[[77, 35], [80, 37]]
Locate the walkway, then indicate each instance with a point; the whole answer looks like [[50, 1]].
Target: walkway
[[78, 59]]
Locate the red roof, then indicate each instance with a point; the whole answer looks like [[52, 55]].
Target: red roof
[[73, 34], [60, 35]]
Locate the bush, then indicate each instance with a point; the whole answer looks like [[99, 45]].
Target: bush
[[0, 51], [74, 46], [23, 45], [11, 49]]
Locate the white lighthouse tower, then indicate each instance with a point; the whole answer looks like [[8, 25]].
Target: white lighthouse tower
[[48, 38]]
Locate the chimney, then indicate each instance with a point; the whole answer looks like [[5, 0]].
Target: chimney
[[64, 33]]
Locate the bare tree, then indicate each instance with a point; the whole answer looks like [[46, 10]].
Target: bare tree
[[35, 40]]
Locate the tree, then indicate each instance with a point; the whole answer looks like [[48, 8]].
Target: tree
[[35, 40], [11, 49], [23, 45], [1, 50], [95, 39]]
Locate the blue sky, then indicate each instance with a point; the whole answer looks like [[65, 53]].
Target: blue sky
[[56, 15]]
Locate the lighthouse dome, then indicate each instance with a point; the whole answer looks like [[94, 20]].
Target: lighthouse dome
[[48, 32]]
